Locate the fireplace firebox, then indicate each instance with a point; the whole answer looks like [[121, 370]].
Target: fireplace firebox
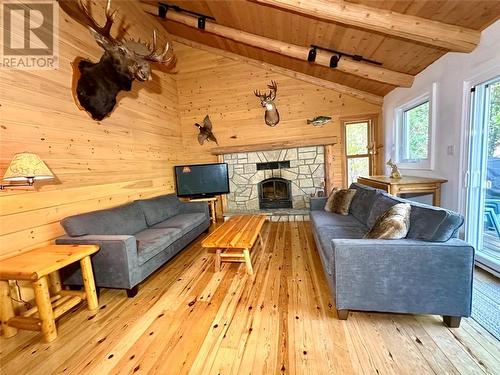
[[275, 192]]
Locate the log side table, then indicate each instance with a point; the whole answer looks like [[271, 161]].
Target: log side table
[[211, 205], [41, 266]]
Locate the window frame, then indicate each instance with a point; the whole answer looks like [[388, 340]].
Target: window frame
[[400, 111], [369, 151]]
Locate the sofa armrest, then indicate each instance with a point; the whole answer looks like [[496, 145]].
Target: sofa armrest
[[404, 276], [318, 203], [191, 207], [115, 265]]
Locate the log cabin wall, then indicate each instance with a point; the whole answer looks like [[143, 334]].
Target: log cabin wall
[[222, 87], [126, 156]]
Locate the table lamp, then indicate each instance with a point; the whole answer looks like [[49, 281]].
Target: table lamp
[[24, 169]]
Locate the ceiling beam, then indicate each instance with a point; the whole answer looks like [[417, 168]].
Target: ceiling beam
[[359, 94], [346, 65], [450, 37]]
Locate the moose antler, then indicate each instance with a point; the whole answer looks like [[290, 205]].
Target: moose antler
[[157, 56], [105, 30]]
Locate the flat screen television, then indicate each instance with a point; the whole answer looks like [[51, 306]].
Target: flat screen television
[[201, 180]]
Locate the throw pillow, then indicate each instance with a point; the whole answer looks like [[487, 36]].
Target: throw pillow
[[393, 224], [329, 201], [342, 201]]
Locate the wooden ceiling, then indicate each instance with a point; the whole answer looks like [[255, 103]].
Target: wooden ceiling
[[395, 53]]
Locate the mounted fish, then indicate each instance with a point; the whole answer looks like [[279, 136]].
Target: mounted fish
[[272, 117], [206, 131], [319, 120], [123, 61]]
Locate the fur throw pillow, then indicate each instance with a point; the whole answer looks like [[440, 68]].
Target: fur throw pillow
[[329, 201], [340, 201], [393, 224]]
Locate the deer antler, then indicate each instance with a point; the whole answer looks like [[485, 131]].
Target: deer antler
[[105, 30], [258, 94], [274, 88]]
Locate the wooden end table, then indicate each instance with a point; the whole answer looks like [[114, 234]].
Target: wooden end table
[[41, 266], [211, 205], [234, 239], [406, 185]]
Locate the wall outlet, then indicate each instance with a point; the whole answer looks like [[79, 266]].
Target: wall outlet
[[450, 150]]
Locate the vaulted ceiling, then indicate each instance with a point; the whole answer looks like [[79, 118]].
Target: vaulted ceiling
[[396, 53]]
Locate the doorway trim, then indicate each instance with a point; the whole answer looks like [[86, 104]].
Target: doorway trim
[[465, 140], [374, 137]]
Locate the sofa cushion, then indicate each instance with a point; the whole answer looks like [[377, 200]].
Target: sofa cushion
[[362, 202], [324, 218], [342, 201], [327, 233], [393, 224], [434, 224], [427, 223], [382, 203], [150, 242], [329, 200], [159, 208], [126, 219], [184, 222]]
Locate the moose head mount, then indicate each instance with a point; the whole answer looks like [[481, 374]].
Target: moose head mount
[[122, 62], [272, 117]]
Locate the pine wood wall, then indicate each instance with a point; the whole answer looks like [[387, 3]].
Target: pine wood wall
[[124, 157], [131, 154], [222, 87]]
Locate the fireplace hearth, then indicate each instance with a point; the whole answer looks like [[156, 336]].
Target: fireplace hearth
[[275, 192]]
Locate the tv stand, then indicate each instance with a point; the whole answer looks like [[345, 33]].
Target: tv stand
[[211, 204]]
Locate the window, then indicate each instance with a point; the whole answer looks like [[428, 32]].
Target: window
[[414, 132], [357, 149]]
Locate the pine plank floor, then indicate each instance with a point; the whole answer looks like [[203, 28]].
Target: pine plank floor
[[189, 319]]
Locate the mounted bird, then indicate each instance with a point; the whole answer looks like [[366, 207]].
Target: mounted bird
[[271, 117], [206, 133]]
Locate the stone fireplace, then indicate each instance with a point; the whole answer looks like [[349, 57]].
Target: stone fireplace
[[275, 180]]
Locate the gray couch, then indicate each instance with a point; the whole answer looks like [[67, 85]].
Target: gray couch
[[135, 239], [428, 272]]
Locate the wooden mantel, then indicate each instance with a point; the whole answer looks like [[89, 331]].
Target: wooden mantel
[[321, 141]]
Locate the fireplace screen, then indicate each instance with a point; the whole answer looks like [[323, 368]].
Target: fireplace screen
[[275, 193]]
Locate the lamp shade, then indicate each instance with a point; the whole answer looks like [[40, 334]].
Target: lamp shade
[[27, 165]]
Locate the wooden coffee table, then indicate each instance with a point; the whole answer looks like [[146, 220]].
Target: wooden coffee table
[[41, 266], [234, 239]]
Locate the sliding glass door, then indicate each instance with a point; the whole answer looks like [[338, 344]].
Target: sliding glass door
[[483, 185]]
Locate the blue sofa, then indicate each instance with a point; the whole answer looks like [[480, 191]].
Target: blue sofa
[[135, 239], [428, 272]]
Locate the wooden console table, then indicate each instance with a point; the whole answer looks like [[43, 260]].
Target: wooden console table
[[406, 185], [41, 266]]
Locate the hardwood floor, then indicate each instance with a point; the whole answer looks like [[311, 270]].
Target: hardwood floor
[[187, 318]]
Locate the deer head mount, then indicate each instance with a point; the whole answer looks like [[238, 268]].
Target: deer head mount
[[272, 117], [122, 62]]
